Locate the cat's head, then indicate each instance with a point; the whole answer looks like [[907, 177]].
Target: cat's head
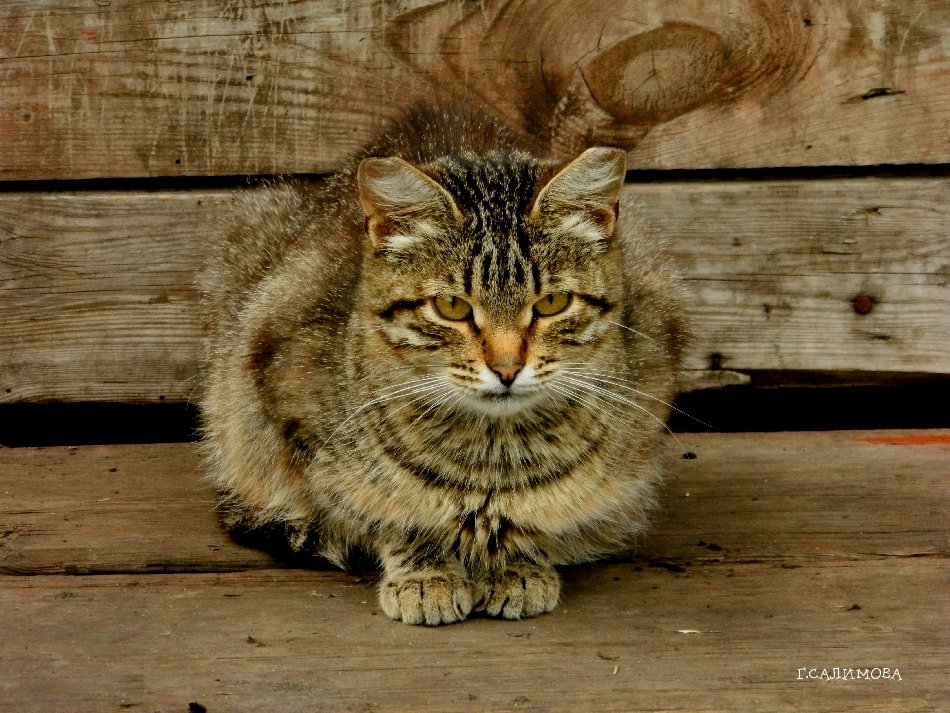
[[491, 275]]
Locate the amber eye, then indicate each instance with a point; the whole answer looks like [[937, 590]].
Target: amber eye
[[453, 308], [552, 303]]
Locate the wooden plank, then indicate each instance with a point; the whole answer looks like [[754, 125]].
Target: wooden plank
[[782, 499], [720, 639], [98, 295], [819, 551], [835, 275], [203, 87], [111, 509], [99, 305]]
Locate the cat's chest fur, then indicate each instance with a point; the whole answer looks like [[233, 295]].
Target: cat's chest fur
[[489, 490], [461, 452]]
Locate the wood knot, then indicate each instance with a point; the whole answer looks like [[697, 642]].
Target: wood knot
[[658, 75], [629, 83]]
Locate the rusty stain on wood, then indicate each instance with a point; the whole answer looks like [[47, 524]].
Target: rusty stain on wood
[[863, 304], [916, 439]]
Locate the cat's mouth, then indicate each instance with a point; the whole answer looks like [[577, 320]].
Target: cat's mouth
[[503, 401], [488, 395]]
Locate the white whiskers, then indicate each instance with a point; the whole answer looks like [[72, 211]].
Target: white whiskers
[[638, 333], [419, 388], [621, 383], [574, 382]]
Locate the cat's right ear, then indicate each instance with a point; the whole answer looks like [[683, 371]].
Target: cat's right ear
[[402, 204]]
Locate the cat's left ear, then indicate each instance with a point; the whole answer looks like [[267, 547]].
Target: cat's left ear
[[402, 204], [583, 197]]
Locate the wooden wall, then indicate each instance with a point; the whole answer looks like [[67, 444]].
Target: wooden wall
[[794, 153]]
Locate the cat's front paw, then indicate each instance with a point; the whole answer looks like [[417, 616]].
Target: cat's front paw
[[431, 597], [521, 591]]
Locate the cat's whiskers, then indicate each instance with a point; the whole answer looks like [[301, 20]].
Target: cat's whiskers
[[425, 385], [604, 402], [386, 392], [556, 391], [196, 379], [573, 393], [622, 383], [375, 374], [441, 399], [635, 331], [613, 381], [451, 399], [605, 395], [424, 394]]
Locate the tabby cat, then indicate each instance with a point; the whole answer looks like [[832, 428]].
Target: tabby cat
[[453, 356]]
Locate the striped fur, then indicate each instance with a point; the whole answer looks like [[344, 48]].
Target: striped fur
[[345, 416]]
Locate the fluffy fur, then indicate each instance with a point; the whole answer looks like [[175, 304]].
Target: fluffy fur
[[348, 416]]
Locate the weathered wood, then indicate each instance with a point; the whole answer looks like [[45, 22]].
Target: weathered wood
[[782, 499], [111, 509], [234, 86], [833, 556], [97, 294], [98, 303], [836, 275], [718, 639]]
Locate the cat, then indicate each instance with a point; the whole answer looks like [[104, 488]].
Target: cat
[[454, 358]]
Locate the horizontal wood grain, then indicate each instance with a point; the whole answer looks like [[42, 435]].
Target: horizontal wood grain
[[721, 639], [846, 275], [745, 498], [108, 509], [212, 87], [100, 286], [828, 275], [771, 553]]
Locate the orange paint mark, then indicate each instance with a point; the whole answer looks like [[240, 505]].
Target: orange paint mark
[[925, 439]]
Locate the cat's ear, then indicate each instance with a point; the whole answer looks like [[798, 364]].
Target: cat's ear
[[583, 196], [402, 204]]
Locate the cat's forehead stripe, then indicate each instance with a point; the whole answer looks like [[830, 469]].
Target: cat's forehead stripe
[[495, 194]]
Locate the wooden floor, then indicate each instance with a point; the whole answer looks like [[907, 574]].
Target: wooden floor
[[777, 562]]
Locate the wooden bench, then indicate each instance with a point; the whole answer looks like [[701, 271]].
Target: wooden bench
[[795, 154]]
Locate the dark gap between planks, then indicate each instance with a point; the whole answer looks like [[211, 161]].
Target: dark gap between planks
[[916, 404], [676, 175]]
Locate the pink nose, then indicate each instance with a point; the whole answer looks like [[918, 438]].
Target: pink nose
[[507, 371]]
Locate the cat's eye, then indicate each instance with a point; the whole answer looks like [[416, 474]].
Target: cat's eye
[[452, 308], [552, 303]]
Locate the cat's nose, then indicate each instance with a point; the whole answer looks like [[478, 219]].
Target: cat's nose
[[507, 371], [505, 352]]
